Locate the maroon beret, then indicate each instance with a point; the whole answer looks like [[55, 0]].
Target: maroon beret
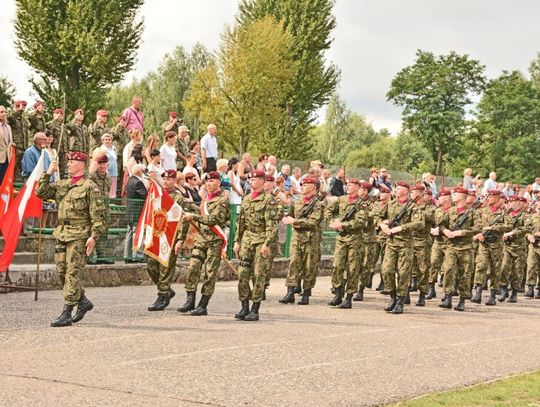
[[307, 180], [523, 199], [102, 112], [365, 185], [257, 174], [173, 114], [20, 102], [384, 189], [461, 190], [58, 110], [471, 193], [76, 112], [77, 156], [353, 181], [212, 175], [102, 159], [494, 192], [169, 173], [429, 192], [445, 192], [269, 178], [418, 187], [38, 103]]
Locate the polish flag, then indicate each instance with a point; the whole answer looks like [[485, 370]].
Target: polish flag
[[6, 189]]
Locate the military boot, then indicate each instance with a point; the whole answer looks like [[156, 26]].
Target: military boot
[[513, 297], [370, 281], [414, 284], [504, 294], [289, 297], [431, 292], [398, 309], [298, 289], [408, 298], [492, 300], [337, 297], [65, 317], [477, 297], [254, 313], [537, 295], [461, 304], [243, 311], [392, 303], [380, 287], [447, 303], [160, 304], [305, 297], [172, 293], [201, 308], [347, 303], [83, 307], [189, 304], [530, 291], [359, 295], [421, 300]]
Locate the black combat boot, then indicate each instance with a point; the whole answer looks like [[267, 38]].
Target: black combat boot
[[392, 303], [254, 313], [421, 299], [504, 294], [189, 304], [530, 291], [513, 297], [160, 304], [172, 293], [398, 309], [243, 311], [201, 308], [408, 298], [431, 292], [65, 317], [461, 304], [337, 297], [447, 303], [492, 300], [370, 281], [359, 295], [347, 303], [83, 307], [477, 297], [305, 297], [537, 295], [414, 285], [298, 289], [380, 287], [289, 297]]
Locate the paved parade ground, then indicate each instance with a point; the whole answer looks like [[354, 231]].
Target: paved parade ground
[[316, 355]]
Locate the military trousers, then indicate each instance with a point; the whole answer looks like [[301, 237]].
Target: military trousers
[[160, 275], [396, 268], [209, 256], [420, 265], [457, 267], [70, 259], [533, 262], [368, 262], [489, 258], [513, 264], [347, 264], [304, 264], [436, 260], [252, 267]]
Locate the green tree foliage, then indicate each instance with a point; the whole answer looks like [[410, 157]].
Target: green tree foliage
[[163, 91], [379, 154], [434, 93], [244, 89], [7, 92], [411, 155], [310, 22], [77, 47]]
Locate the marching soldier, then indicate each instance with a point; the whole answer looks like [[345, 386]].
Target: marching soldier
[[255, 233], [21, 135], [209, 244], [37, 119], [350, 215], [533, 256], [98, 128], [80, 224], [385, 194], [77, 133], [367, 269], [101, 178], [305, 217], [397, 221]]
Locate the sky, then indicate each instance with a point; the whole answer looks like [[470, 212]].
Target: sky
[[373, 41]]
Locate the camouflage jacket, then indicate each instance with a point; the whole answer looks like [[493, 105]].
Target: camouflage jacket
[[218, 215], [56, 126], [20, 129], [438, 217], [487, 216], [257, 219], [120, 138], [77, 136], [37, 123], [519, 230], [532, 226], [306, 229], [469, 228], [421, 237], [353, 229], [95, 131], [80, 208], [411, 221]]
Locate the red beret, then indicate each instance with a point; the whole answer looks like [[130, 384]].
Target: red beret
[[173, 114], [353, 181], [445, 192], [269, 178], [58, 110], [20, 102], [77, 156], [418, 187], [307, 180], [384, 189], [102, 159], [523, 199], [494, 192], [102, 112], [257, 174], [365, 185], [76, 112], [38, 103], [169, 173], [403, 184], [461, 190], [471, 193], [429, 192], [212, 175]]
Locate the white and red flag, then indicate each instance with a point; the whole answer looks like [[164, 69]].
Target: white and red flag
[[6, 189], [157, 224]]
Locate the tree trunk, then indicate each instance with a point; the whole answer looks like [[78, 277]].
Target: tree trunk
[[439, 163]]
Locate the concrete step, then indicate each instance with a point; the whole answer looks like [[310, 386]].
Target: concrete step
[[28, 258], [21, 244]]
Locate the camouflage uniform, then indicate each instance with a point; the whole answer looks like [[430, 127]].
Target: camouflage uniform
[[37, 123], [421, 247], [515, 252], [368, 246], [274, 248], [103, 182], [533, 257], [77, 136], [21, 138], [80, 216], [437, 251], [95, 131]]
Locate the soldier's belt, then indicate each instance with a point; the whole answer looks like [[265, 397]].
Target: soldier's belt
[[74, 222], [254, 229]]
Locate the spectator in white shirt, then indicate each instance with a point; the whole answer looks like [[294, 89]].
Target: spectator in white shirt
[[491, 182], [168, 151], [155, 170], [536, 184], [209, 149], [189, 168]]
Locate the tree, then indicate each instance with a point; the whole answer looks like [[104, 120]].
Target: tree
[[434, 92], [310, 22], [244, 89], [380, 153], [7, 92], [77, 48]]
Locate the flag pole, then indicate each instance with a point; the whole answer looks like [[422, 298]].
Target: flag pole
[[38, 256]]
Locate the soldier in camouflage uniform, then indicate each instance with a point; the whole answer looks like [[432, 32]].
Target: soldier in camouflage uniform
[[77, 133], [160, 275], [437, 247], [515, 249], [80, 224], [37, 119], [255, 234], [533, 256], [457, 253], [98, 128], [385, 194], [20, 129], [305, 242], [492, 219], [348, 216], [211, 221], [57, 127], [396, 267], [103, 181], [120, 139], [367, 270]]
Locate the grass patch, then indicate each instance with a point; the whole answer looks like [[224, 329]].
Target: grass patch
[[517, 391]]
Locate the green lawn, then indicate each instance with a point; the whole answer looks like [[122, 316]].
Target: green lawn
[[517, 391]]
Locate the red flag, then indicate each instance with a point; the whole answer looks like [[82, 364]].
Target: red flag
[[26, 205], [6, 189]]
